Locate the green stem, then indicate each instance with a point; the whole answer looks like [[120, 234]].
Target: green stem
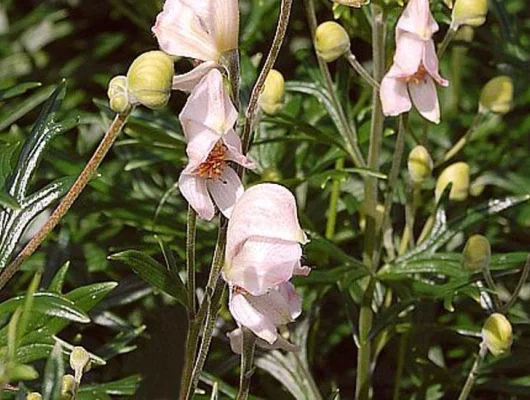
[[400, 366], [252, 108], [397, 160], [453, 151], [345, 129], [473, 374], [376, 135], [410, 217], [366, 316], [448, 38], [357, 66], [247, 364], [522, 280], [191, 228], [67, 201], [334, 201]]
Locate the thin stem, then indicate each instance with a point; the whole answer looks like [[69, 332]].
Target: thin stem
[[448, 38], [522, 280], [334, 201], [493, 287], [252, 108], [67, 201], [397, 160], [376, 135], [453, 151], [473, 374], [363, 73], [366, 316], [345, 129], [191, 227], [247, 364], [410, 217], [400, 366]]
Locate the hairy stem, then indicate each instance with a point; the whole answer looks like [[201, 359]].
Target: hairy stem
[[448, 38], [356, 65], [473, 374], [400, 366], [191, 227], [522, 280], [247, 364], [334, 201], [345, 129], [366, 316], [67, 201]]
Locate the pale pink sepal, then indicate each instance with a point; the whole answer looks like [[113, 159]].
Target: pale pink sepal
[[425, 99], [417, 19], [394, 95], [187, 82], [225, 190], [194, 190]]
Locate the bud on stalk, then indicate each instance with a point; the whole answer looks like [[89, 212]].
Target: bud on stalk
[[497, 334], [331, 41]]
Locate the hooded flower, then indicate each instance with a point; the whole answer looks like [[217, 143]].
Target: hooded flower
[[263, 315], [201, 30], [412, 77], [208, 120], [263, 244]]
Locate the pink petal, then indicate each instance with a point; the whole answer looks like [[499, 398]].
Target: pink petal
[[425, 99], [430, 61], [201, 141], [209, 104], [262, 263], [180, 31], [233, 143], [187, 82], [266, 210], [301, 270], [225, 23], [417, 19], [194, 190], [225, 190], [409, 53], [394, 96], [246, 315], [294, 302]]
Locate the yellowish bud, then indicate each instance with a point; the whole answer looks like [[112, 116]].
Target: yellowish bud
[[458, 175], [271, 174], [149, 79], [465, 34], [497, 95], [331, 41], [477, 253], [497, 334], [470, 12], [420, 164], [118, 96], [34, 396], [79, 361], [68, 387], [352, 3], [271, 99]]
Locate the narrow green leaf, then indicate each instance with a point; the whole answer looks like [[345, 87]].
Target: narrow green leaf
[[57, 283], [123, 387], [153, 273], [17, 90], [53, 374], [7, 201]]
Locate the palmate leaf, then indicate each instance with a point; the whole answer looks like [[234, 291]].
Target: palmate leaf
[[21, 206]]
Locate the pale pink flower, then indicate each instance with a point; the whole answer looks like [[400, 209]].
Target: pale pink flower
[[263, 315], [208, 120], [264, 237], [418, 20], [198, 29]]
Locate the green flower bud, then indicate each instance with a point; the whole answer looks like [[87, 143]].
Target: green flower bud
[[465, 34], [497, 334], [68, 387], [331, 41], [118, 96], [149, 79], [458, 175], [79, 361], [420, 164], [34, 396], [497, 95], [477, 253], [470, 12], [352, 3], [271, 100]]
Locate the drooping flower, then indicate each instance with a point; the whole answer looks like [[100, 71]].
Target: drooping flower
[[208, 120], [264, 237], [203, 30], [412, 77], [263, 315]]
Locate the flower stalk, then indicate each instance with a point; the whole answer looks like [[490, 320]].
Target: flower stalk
[[247, 364], [473, 374]]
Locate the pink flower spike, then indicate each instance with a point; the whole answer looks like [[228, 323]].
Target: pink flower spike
[[418, 20]]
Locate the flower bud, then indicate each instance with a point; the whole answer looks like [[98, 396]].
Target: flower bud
[[420, 164], [458, 175], [68, 387], [331, 41], [271, 174], [477, 253], [271, 100], [352, 3], [118, 95], [34, 396], [497, 95], [79, 361], [465, 34], [149, 79], [497, 334], [470, 12]]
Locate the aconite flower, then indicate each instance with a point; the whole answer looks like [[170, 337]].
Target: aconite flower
[[208, 120]]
